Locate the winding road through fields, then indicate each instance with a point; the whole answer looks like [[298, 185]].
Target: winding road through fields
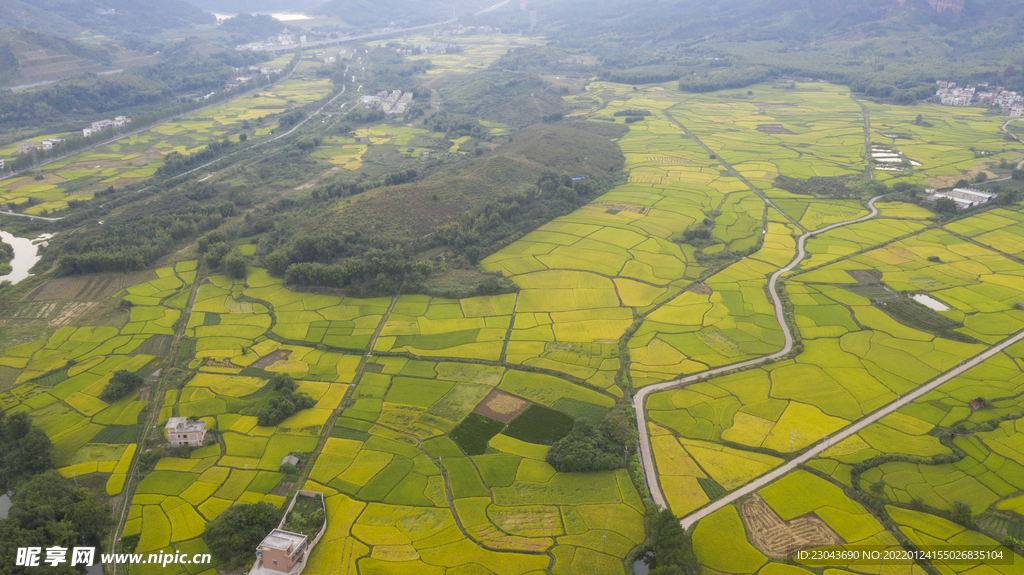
[[815, 449], [1015, 136], [640, 399]]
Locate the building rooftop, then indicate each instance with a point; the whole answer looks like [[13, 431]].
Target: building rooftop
[[183, 424], [973, 193], [283, 540], [966, 197]]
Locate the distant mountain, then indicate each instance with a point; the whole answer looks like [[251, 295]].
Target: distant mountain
[[764, 19], [114, 18], [374, 13], [250, 6]]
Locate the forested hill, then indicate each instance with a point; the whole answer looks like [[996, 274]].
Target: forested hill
[[801, 20], [894, 49], [70, 17]]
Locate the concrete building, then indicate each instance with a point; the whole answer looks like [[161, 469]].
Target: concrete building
[[281, 550], [285, 551], [26, 147], [181, 431], [49, 144], [965, 197]]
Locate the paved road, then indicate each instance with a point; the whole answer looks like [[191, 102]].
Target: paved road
[[151, 126], [640, 399], [31, 217], [264, 142], [844, 433], [867, 135], [134, 475]]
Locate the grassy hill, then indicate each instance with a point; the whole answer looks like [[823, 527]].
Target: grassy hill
[[514, 98], [411, 211], [29, 57]]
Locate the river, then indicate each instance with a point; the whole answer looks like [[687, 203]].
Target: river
[[280, 16], [26, 254]]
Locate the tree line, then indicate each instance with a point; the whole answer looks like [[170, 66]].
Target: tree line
[[47, 509]]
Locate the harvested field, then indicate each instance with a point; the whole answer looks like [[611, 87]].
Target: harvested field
[[768, 106], [865, 276], [272, 358], [155, 345], [701, 289], [773, 129], [501, 406], [87, 288], [282, 488], [782, 539], [623, 207], [70, 311]]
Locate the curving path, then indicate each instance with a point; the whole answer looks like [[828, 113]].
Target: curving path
[[640, 399], [1015, 137]]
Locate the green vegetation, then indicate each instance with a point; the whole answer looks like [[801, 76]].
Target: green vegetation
[[440, 312], [540, 425], [26, 449], [72, 516], [121, 384], [285, 405], [669, 548], [473, 433], [237, 530], [585, 449], [307, 517]]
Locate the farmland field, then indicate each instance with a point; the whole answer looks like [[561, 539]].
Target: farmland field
[[432, 416], [137, 157]]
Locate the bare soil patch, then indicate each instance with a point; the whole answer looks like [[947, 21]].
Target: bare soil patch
[[86, 288], [70, 312], [272, 358], [282, 488], [773, 129], [865, 276], [701, 289], [622, 207], [501, 406], [220, 363], [782, 539]]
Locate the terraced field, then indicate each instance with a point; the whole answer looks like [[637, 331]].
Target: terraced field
[[433, 417], [138, 157]]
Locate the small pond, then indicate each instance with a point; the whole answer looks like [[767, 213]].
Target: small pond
[[930, 302]]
